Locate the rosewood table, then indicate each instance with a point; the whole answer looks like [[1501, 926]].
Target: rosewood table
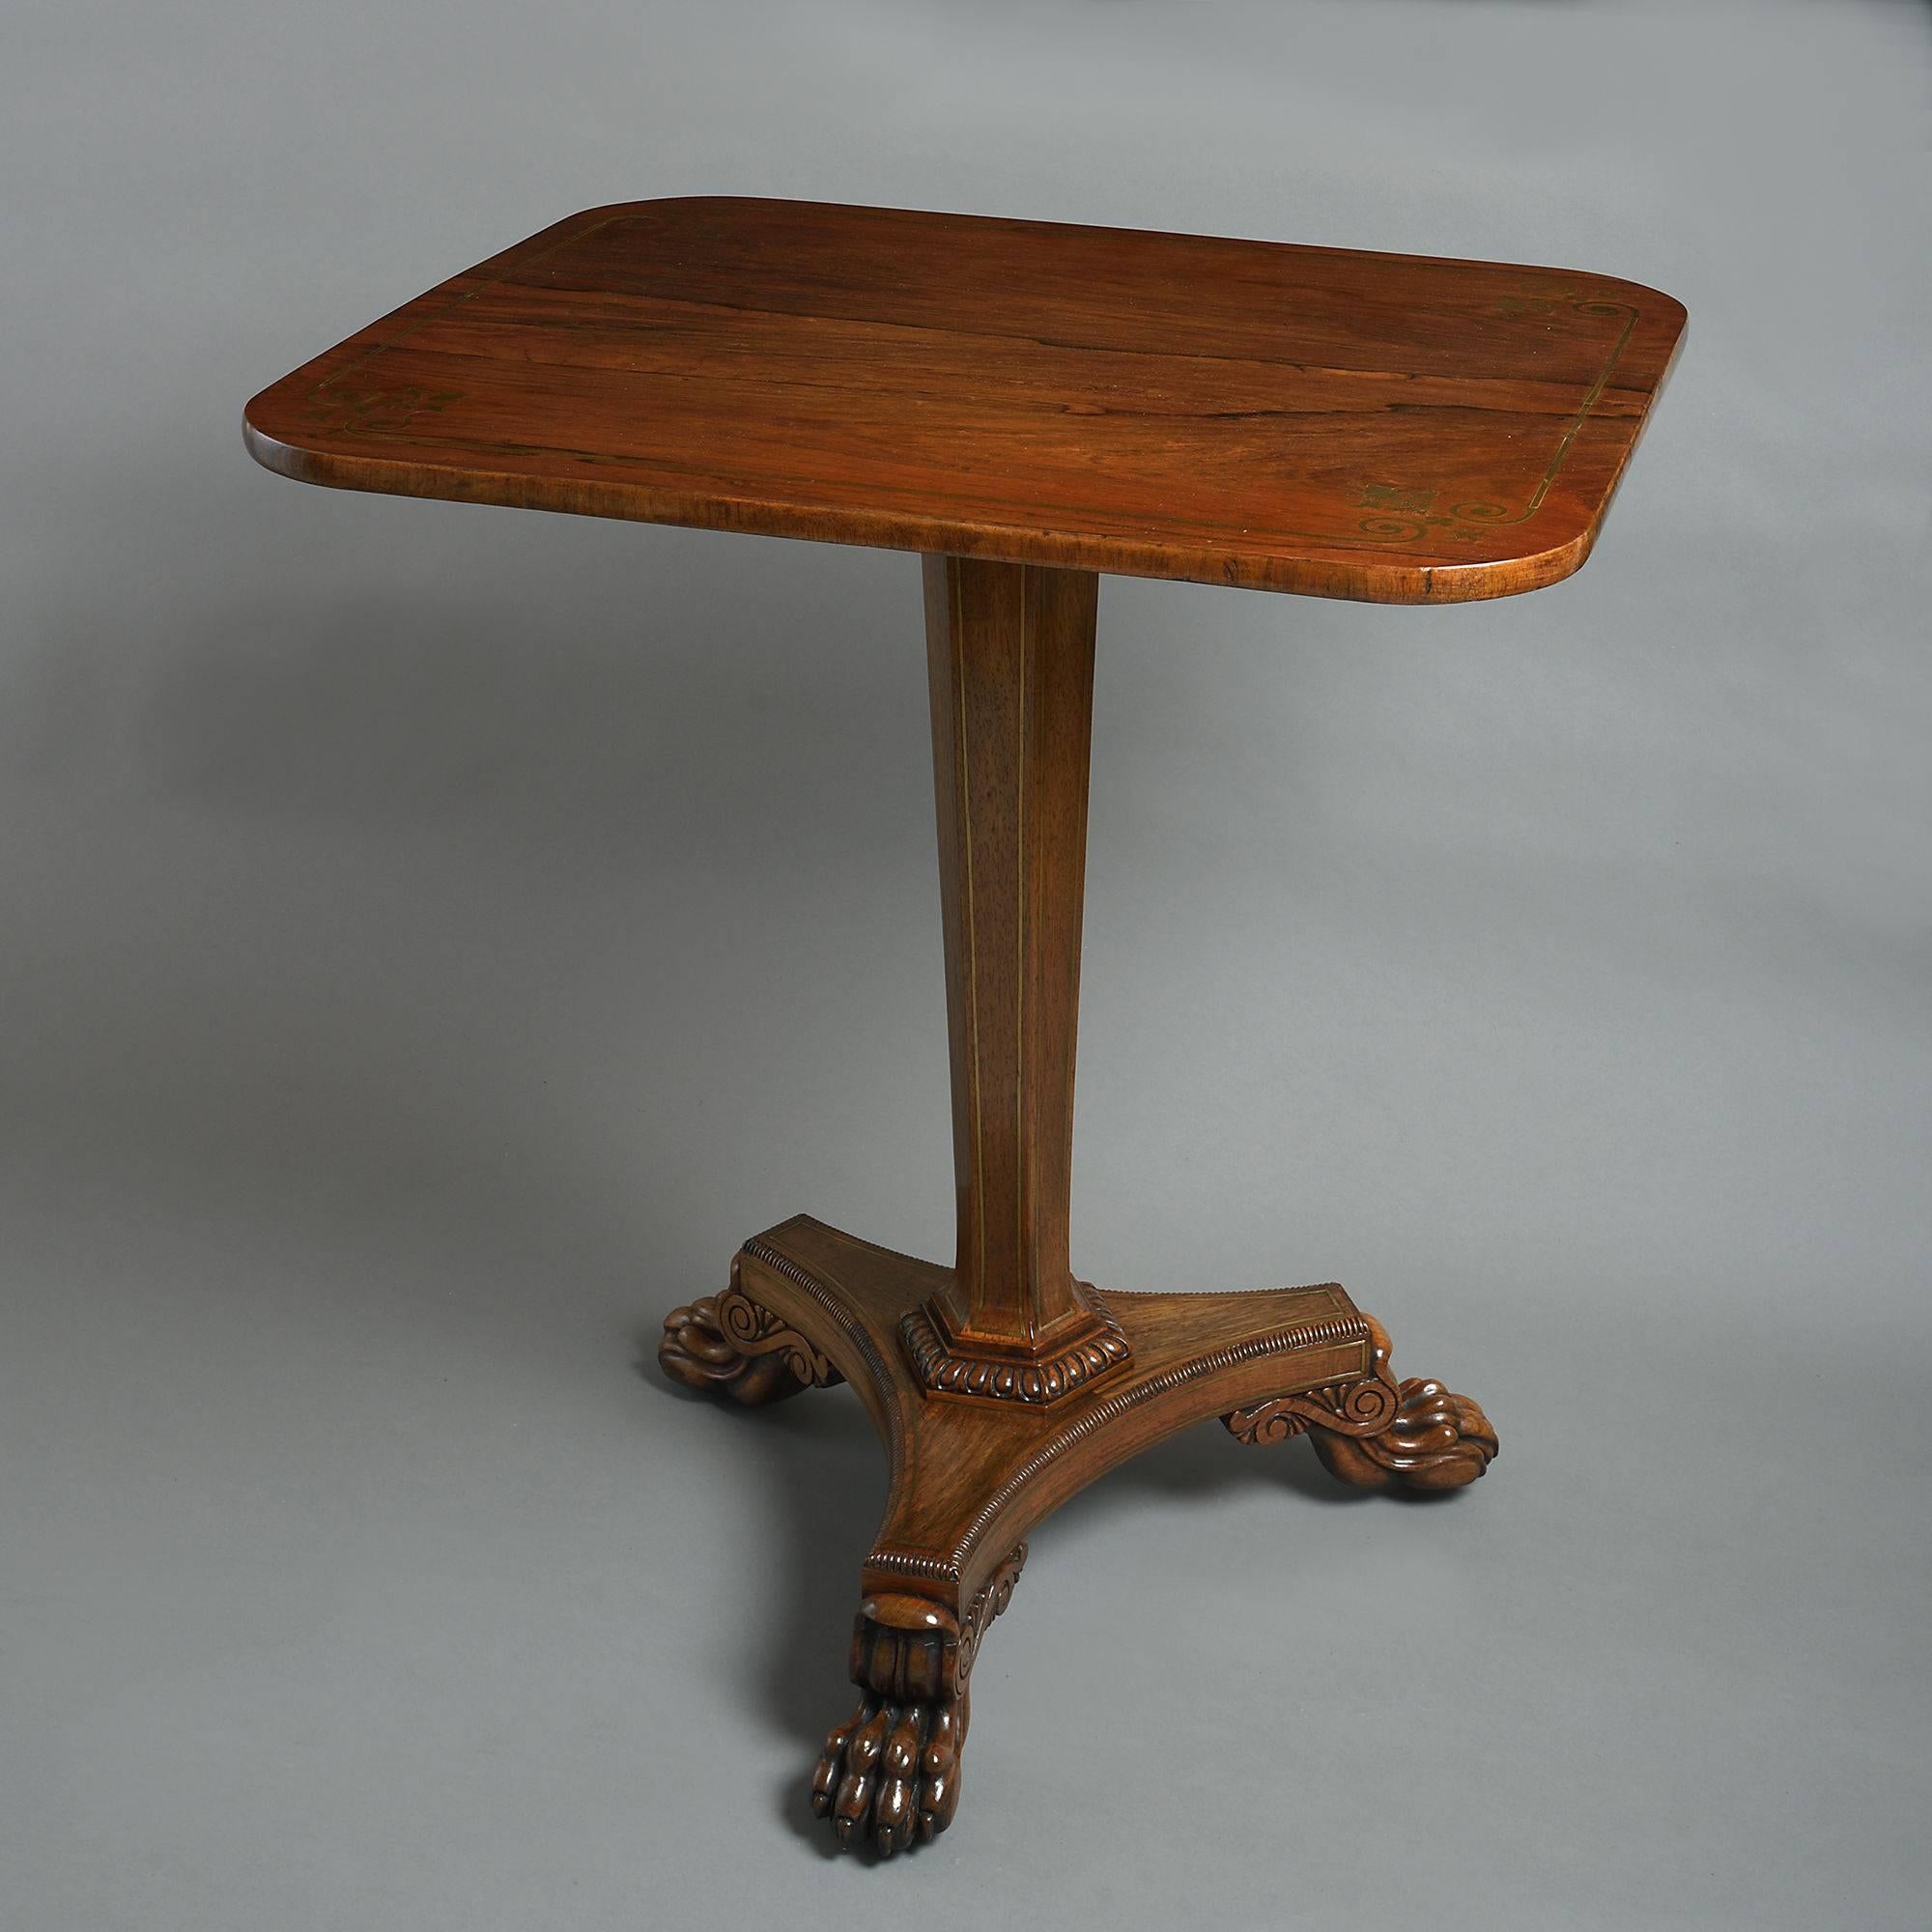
[[1027, 405]]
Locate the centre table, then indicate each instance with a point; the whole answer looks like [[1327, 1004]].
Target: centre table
[[1026, 405]]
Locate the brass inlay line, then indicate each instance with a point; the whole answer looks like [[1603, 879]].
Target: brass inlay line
[[1590, 400], [956, 571], [1022, 1168]]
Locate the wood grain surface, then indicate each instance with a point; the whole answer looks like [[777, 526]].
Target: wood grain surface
[[1394, 428]]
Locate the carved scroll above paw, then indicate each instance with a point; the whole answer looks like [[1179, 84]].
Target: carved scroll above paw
[[1376, 1432], [731, 1345], [989, 1602], [1350, 1408]]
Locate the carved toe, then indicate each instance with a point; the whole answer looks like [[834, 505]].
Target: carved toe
[[890, 1774]]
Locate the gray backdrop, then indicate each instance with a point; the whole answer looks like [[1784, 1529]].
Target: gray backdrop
[[434, 936]]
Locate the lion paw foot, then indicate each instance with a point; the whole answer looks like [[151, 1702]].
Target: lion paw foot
[[1377, 1432], [891, 1773], [731, 1345], [1436, 1440]]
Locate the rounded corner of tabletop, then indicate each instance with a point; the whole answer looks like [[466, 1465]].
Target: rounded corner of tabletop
[[1274, 416]]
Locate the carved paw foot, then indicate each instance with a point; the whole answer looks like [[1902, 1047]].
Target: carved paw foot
[[729, 1345], [1436, 1440], [891, 1773], [1379, 1433]]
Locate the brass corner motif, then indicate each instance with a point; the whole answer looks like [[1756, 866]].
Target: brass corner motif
[[374, 412], [1405, 513], [1393, 497]]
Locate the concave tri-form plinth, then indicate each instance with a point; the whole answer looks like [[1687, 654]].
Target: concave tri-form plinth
[[1027, 405], [970, 1478]]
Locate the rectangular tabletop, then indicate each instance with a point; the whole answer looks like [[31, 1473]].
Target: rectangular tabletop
[[1389, 427]]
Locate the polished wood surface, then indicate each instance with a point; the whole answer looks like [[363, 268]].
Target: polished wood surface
[[1398, 428]]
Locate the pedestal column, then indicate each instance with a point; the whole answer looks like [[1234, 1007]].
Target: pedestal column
[[1011, 664]]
